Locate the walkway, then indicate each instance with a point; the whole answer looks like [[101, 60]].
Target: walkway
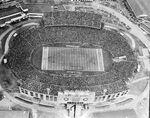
[[2, 36]]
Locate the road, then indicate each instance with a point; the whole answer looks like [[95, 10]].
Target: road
[[135, 30]]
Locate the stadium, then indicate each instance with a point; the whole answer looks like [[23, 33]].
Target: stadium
[[74, 60]]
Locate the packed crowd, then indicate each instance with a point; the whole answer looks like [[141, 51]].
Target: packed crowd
[[29, 39], [112, 19], [41, 87], [106, 16], [73, 18]]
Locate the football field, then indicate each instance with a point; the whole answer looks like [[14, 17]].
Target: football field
[[65, 58]]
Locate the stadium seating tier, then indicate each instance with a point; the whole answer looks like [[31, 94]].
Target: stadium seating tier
[[76, 30]]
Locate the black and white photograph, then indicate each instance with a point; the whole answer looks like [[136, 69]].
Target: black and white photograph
[[74, 58]]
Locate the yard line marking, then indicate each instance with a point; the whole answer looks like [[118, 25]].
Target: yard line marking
[[98, 59], [45, 58], [47, 63], [102, 60], [43, 61]]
